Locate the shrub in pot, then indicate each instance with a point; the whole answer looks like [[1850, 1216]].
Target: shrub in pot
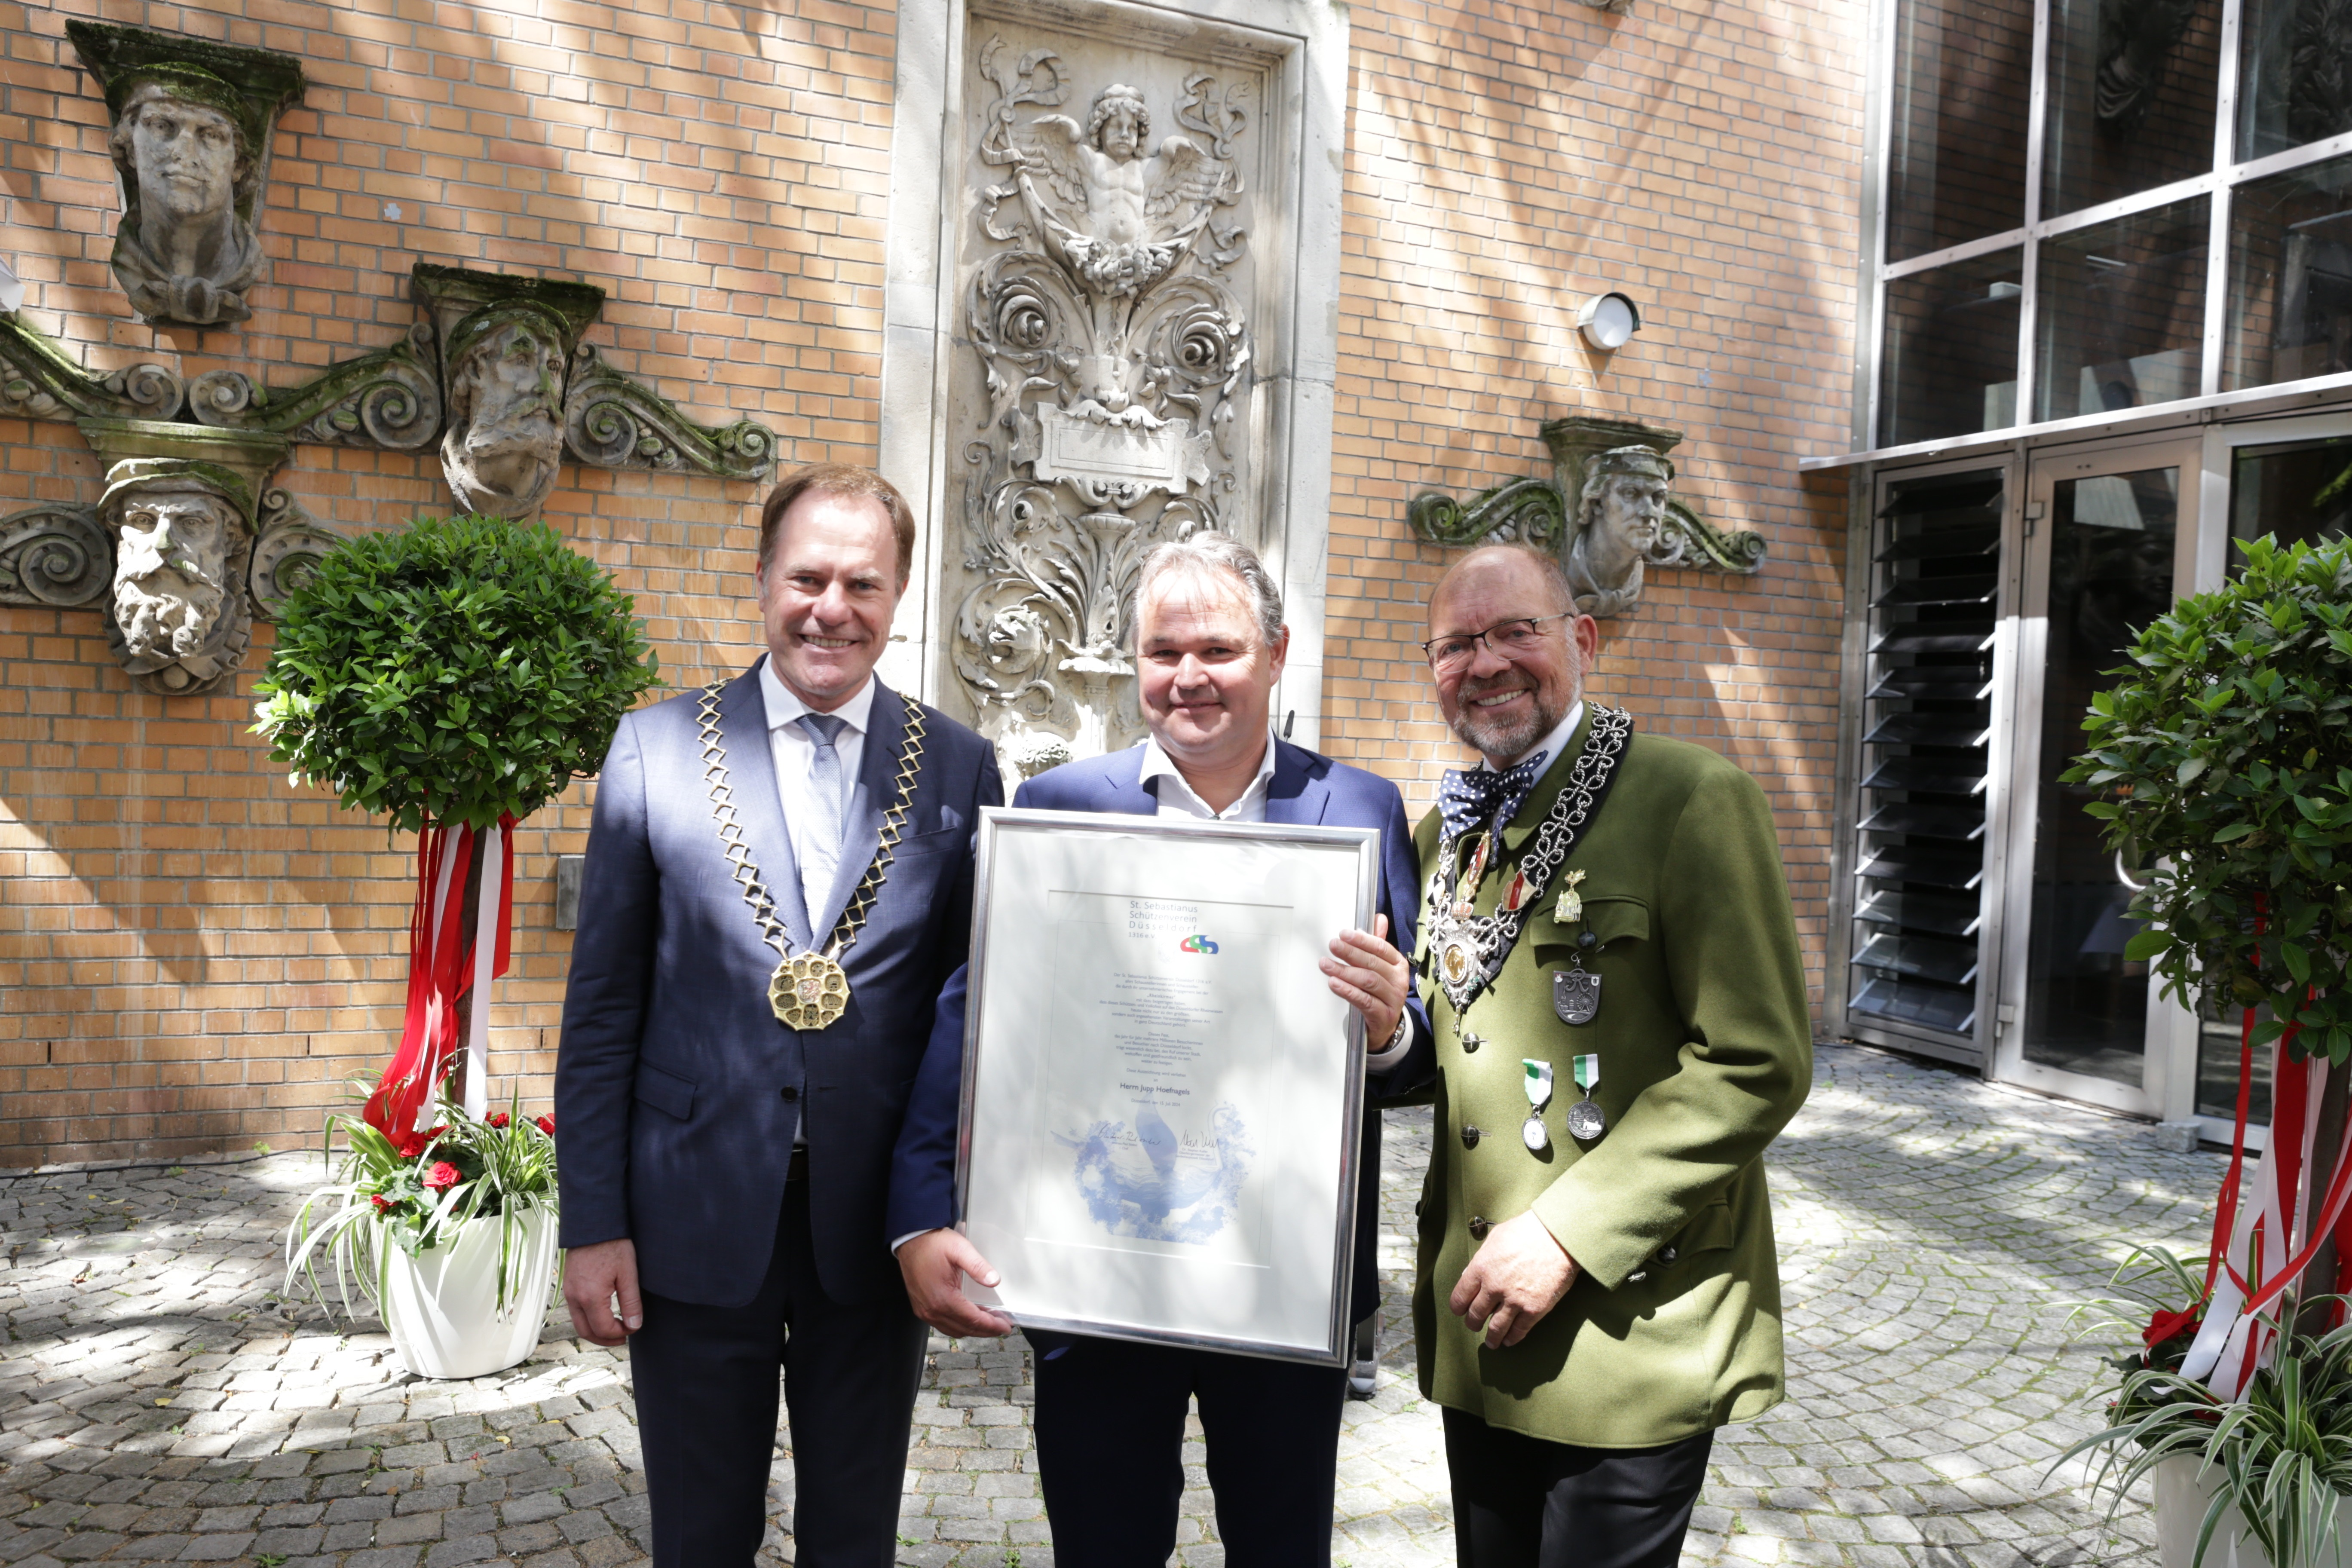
[[452, 676], [2226, 762]]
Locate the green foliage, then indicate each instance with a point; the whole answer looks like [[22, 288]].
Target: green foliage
[[2227, 760], [2281, 1455], [452, 670], [503, 1166]]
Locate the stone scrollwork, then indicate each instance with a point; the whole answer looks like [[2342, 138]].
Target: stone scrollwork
[[38, 380], [390, 398], [1607, 507], [1116, 360], [615, 422], [54, 555], [192, 125], [288, 543]]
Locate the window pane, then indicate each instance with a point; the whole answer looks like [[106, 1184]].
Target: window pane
[[2132, 84], [2297, 491], [1949, 361], [2122, 313], [2295, 74], [2290, 277], [1956, 164]]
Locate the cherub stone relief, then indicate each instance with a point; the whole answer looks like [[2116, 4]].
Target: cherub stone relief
[[190, 140], [1107, 316]]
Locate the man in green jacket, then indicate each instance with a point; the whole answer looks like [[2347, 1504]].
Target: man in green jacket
[[1610, 964]]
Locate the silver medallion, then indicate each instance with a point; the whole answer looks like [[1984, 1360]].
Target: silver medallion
[[1532, 1133], [1575, 995], [1585, 1121]]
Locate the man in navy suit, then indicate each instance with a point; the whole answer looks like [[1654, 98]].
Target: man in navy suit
[[724, 1168], [1110, 1414]]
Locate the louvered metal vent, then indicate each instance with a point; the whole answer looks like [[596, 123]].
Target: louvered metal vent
[[1919, 910]]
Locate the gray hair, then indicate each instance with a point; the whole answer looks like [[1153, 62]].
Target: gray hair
[[1208, 551]]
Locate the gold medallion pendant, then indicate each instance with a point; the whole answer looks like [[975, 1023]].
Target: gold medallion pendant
[[808, 991]]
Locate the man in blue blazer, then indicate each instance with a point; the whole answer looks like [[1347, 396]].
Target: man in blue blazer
[[1110, 1414], [778, 883]]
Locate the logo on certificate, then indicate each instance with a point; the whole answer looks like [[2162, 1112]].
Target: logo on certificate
[[1197, 943]]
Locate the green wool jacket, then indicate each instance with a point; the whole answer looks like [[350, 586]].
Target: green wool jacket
[[1704, 1038]]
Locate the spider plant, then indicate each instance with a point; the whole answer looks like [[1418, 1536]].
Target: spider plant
[[2283, 1450], [418, 1193]]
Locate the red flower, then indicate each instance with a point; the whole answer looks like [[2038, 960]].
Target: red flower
[[441, 1177], [547, 1125], [497, 1118], [412, 1143], [383, 1204]]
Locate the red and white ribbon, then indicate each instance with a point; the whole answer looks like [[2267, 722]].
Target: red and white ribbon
[[446, 962]]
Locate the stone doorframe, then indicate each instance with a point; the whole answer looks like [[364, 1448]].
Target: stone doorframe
[[1302, 47]]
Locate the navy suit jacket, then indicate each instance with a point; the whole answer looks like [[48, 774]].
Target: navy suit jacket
[[1306, 789], [677, 1092]]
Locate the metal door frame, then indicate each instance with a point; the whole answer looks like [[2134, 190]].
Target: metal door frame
[[2168, 1089]]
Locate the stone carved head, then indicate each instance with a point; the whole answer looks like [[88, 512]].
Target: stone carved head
[[505, 371], [1618, 518], [191, 121], [182, 533], [1119, 123]]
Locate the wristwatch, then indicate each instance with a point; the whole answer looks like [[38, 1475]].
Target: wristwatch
[[1403, 1032]]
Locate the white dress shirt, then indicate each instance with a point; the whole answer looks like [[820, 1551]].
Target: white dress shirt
[[794, 754], [1178, 798]]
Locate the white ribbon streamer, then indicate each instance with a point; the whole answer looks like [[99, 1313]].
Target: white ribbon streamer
[[486, 956]]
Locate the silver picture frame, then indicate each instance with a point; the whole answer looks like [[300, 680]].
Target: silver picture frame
[[1160, 1131]]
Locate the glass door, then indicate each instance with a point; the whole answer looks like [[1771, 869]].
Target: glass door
[[2110, 539]]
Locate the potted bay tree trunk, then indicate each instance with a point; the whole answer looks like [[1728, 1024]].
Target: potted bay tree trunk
[[451, 677]]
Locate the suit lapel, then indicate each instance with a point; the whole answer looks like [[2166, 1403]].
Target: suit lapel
[[751, 767], [1122, 788], [861, 835], [1294, 795]]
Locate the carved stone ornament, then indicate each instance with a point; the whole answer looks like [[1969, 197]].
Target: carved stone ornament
[[288, 543], [505, 344], [1607, 507], [613, 422], [179, 510], [38, 380], [54, 555], [1105, 311], [389, 398], [192, 123]]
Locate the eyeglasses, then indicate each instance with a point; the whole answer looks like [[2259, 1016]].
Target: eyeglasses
[[1512, 639]]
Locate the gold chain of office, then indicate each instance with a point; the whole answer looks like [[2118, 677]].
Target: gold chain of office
[[808, 990]]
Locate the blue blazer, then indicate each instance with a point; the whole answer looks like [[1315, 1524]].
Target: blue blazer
[[677, 1093], [1306, 789]]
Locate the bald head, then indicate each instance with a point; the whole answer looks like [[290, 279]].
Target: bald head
[[1508, 651]]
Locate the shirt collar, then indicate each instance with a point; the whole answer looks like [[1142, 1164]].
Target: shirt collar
[[1552, 746], [783, 706], [1157, 763]]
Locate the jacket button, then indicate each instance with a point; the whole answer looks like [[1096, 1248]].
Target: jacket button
[[1470, 1042], [1666, 1255], [1469, 1136], [791, 1095], [1479, 1226]]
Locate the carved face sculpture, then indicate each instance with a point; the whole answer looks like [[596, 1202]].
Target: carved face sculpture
[[1632, 510], [170, 573], [504, 446], [186, 159], [183, 254], [1118, 124]]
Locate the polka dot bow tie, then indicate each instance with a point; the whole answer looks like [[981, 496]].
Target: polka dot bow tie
[[1481, 796]]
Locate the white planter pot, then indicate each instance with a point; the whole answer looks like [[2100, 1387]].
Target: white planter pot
[[2182, 1495], [443, 1307]]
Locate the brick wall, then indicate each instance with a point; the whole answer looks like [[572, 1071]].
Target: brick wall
[[194, 955]]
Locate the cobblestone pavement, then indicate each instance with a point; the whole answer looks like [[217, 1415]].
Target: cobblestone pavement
[[160, 1402]]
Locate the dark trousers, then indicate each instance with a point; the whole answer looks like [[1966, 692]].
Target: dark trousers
[[1521, 1502], [1110, 1439], [706, 1390]]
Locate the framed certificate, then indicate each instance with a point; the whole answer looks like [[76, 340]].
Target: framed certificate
[[1162, 1094]]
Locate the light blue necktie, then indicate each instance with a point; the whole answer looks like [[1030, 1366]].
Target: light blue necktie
[[825, 799]]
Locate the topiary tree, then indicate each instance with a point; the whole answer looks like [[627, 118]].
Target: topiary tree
[[2227, 760], [453, 676]]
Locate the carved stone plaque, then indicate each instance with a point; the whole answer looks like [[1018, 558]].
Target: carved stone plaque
[[1104, 376]]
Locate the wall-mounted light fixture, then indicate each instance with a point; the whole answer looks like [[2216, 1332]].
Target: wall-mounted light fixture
[[1608, 321], [12, 289]]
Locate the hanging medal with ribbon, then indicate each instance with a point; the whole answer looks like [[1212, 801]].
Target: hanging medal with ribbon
[[808, 990], [1538, 1083], [1470, 949], [1585, 1121]]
